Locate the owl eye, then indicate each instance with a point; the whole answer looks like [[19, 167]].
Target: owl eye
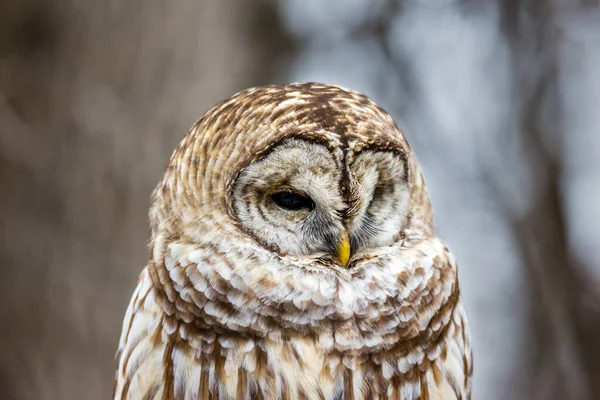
[[292, 201]]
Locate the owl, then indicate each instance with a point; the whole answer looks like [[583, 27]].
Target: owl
[[293, 256]]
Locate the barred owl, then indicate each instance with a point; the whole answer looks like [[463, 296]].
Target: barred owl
[[293, 256]]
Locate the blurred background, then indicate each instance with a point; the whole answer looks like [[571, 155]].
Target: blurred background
[[500, 100]]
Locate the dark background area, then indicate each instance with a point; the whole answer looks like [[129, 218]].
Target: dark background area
[[499, 99]]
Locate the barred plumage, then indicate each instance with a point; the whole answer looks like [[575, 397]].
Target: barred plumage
[[243, 300]]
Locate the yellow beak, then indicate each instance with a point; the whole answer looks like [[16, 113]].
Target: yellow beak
[[343, 250]]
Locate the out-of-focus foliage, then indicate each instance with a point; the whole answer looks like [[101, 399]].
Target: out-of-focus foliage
[[499, 99]]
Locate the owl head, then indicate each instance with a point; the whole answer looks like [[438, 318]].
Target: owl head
[[308, 172]]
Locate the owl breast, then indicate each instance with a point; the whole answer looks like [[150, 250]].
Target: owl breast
[[198, 331]]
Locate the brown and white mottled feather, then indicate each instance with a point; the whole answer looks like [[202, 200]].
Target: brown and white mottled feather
[[219, 314]]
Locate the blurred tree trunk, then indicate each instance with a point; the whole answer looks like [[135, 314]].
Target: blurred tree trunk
[[565, 355], [93, 98]]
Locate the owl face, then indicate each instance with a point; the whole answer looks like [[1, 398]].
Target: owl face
[[312, 174], [304, 199]]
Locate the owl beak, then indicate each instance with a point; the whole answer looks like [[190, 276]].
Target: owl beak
[[343, 250]]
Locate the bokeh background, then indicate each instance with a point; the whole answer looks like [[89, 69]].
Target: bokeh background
[[500, 100]]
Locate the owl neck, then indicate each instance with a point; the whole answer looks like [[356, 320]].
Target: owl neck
[[401, 296]]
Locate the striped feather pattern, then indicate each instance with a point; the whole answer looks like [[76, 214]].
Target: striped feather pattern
[[216, 315]]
